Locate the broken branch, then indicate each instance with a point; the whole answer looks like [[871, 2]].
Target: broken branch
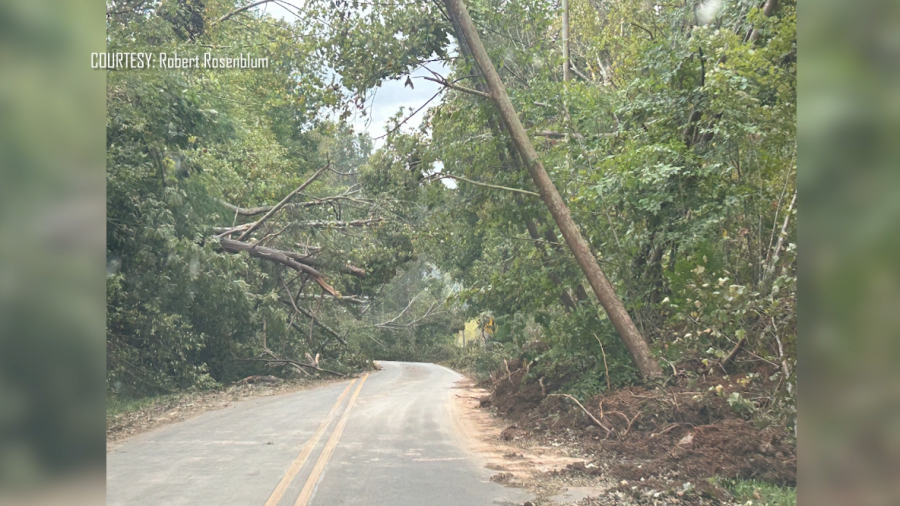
[[281, 204], [588, 413], [452, 86], [486, 185], [277, 256]]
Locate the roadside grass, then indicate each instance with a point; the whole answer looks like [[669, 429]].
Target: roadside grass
[[760, 493]]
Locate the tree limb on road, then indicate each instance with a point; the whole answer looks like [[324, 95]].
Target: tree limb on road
[[294, 363]]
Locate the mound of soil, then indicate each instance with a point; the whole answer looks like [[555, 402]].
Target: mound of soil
[[680, 433]]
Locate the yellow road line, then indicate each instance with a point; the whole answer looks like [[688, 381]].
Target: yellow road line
[[306, 493], [307, 449]]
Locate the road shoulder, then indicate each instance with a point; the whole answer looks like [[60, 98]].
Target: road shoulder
[[148, 414], [544, 471]]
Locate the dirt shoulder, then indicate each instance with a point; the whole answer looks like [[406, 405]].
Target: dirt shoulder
[[542, 468], [679, 444], [141, 416]]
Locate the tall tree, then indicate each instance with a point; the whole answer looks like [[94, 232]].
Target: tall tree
[[604, 290]]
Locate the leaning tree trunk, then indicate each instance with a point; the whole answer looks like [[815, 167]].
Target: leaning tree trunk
[[630, 335]]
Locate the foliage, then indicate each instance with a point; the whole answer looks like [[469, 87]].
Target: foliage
[[679, 167], [183, 313]]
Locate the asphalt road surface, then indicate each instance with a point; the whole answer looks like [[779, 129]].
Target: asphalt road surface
[[386, 438]]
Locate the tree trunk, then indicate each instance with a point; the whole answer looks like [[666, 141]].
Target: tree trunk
[[768, 10], [630, 335]]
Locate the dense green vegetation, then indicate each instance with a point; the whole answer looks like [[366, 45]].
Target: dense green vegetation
[[673, 147]]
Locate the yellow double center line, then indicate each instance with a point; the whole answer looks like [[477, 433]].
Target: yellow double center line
[[308, 488]]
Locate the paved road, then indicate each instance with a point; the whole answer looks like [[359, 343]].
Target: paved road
[[387, 438]]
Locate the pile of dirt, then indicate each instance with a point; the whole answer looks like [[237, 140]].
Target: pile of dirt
[[654, 439]]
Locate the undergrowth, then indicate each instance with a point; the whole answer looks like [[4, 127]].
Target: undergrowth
[[759, 493]]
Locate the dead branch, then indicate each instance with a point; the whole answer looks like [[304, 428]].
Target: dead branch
[[313, 320], [734, 351], [578, 72], [277, 256], [253, 211], [281, 204], [605, 366], [627, 420], [392, 320], [352, 299], [242, 9], [249, 380], [303, 311], [588, 413], [379, 343], [337, 224], [667, 429], [323, 326], [508, 374], [429, 312], [463, 89], [315, 262], [286, 361], [784, 364], [556, 135], [770, 269], [727, 358], [486, 185]]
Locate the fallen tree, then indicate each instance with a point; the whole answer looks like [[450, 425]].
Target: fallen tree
[[278, 256]]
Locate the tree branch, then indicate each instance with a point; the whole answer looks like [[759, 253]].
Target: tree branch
[[277, 256], [253, 211], [588, 413], [294, 363], [282, 203], [242, 9], [457, 87], [770, 269], [337, 224], [486, 185], [351, 299], [305, 312]]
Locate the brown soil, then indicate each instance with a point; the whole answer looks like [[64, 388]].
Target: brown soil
[[545, 470], [653, 441], [179, 407]]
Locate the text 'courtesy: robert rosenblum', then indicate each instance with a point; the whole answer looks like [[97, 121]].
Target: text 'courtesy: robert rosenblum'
[[116, 61]]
